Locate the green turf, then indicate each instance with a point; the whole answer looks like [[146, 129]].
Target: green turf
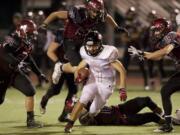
[[13, 116]]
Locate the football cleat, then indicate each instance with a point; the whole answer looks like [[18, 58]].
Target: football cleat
[[34, 124], [164, 128], [56, 73], [68, 128]]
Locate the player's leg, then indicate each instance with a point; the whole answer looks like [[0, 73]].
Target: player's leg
[[100, 100], [52, 91], [71, 49], [150, 66], [88, 93], [71, 98], [167, 90], [161, 70], [23, 84], [144, 73], [4, 81], [135, 105], [143, 118]]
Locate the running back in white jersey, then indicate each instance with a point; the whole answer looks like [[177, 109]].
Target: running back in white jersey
[[100, 64]]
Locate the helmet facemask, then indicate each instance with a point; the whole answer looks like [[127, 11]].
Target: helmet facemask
[[159, 29], [93, 43]]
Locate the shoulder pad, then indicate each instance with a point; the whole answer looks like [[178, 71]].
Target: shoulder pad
[[77, 14]]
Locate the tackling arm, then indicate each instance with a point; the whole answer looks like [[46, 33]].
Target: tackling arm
[[159, 54]]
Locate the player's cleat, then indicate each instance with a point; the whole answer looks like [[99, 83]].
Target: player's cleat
[[56, 73], [63, 119], [43, 104], [164, 128], [68, 128], [31, 123]]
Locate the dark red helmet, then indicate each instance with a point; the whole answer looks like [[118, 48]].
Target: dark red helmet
[[159, 28], [27, 30], [95, 8], [95, 4]]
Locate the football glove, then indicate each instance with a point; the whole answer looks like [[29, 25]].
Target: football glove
[[122, 94], [136, 53]]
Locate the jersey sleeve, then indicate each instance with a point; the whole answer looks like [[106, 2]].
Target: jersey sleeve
[[82, 52], [171, 38], [114, 55]]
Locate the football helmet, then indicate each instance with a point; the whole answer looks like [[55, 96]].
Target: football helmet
[[93, 43], [27, 31], [159, 28], [95, 8]]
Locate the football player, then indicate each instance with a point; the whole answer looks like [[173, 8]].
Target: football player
[[167, 43], [103, 64], [13, 53], [124, 114], [80, 19], [56, 53]]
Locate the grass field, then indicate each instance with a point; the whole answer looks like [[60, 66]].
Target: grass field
[[13, 116]]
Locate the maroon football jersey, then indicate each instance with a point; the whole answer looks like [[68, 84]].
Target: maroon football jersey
[[79, 23], [174, 39]]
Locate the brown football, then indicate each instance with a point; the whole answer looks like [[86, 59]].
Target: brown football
[[83, 74]]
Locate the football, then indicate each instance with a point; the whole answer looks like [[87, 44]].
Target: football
[[82, 75]]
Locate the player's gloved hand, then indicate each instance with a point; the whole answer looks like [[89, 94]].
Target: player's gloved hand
[[122, 94], [44, 78], [122, 30], [23, 67], [136, 53]]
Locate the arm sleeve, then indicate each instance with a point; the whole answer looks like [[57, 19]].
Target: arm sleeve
[[8, 56], [33, 65]]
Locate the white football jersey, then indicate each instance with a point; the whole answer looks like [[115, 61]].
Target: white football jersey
[[100, 65]]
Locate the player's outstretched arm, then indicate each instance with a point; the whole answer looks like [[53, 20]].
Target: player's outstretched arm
[[159, 54], [56, 15]]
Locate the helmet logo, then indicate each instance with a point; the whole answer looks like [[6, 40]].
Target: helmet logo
[[24, 28]]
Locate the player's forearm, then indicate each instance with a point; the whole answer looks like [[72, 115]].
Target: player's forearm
[[157, 55], [82, 64], [34, 66], [117, 65], [111, 21], [152, 56]]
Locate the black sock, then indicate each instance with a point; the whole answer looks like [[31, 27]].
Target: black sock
[[168, 119], [30, 115], [71, 122]]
